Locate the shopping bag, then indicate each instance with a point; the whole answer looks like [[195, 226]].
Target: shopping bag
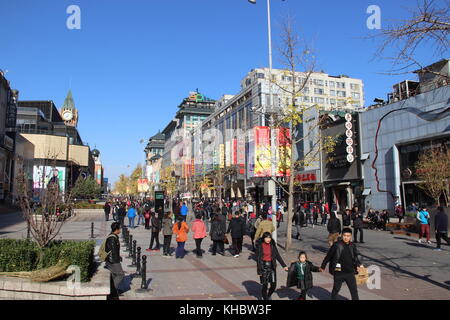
[[362, 277]]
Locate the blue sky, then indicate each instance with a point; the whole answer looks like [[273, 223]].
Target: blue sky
[[133, 61]]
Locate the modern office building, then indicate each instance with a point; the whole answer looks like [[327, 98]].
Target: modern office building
[[415, 118]]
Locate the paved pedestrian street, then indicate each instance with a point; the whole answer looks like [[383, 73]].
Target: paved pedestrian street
[[408, 270]]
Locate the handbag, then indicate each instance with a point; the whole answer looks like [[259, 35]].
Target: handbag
[[225, 240], [362, 276]]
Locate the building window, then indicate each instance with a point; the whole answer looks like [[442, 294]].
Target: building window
[[354, 86], [340, 85], [356, 95], [319, 100], [341, 94], [260, 75], [333, 93], [318, 91], [318, 82], [332, 84], [333, 102]]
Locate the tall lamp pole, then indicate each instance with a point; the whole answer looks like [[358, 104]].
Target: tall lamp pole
[[271, 182]]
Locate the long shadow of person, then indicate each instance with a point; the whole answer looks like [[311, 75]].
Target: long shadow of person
[[322, 294], [285, 292], [253, 288]]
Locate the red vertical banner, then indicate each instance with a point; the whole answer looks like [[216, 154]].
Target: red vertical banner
[[263, 166], [284, 146], [192, 168], [234, 153]]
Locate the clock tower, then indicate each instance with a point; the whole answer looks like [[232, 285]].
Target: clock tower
[[68, 111]]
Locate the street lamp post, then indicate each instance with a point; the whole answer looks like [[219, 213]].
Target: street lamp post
[[271, 182]]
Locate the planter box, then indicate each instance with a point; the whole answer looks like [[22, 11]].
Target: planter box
[[22, 289]]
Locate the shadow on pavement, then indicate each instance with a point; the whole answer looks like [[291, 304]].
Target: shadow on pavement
[[323, 294], [285, 292], [321, 249], [253, 288]]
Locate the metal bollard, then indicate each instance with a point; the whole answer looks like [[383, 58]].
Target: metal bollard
[[138, 261], [133, 261], [130, 246], [144, 272], [92, 230]]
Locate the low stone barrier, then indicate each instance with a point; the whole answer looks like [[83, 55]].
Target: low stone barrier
[[23, 289]]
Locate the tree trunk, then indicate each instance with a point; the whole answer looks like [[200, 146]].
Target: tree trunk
[[291, 196]]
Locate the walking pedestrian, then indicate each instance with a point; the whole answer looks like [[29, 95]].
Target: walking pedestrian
[[263, 227], [113, 260], [347, 218], [358, 225], [252, 229], [140, 211], [167, 226], [300, 274], [424, 219], [156, 224], [266, 260], [334, 228], [217, 234], [199, 230], [107, 209], [296, 219], [147, 216], [180, 229], [184, 211], [441, 228], [122, 213], [131, 216], [344, 264], [279, 218], [237, 229]]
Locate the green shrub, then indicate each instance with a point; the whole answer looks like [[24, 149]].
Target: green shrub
[[23, 255], [86, 205]]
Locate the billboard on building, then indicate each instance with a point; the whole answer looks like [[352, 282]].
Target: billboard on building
[[42, 175], [143, 185], [222, 156], [283, 151], [263, 166]]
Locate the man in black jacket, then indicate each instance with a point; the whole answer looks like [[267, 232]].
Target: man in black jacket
[[113, 260], [358, 225], [344, 264], [334, 228], [441, 226], [237, 229], [298, 223]]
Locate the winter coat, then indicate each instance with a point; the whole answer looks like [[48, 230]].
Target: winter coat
[[217, 232], [441, 222], [357, 218], [131, 213], [334, 254], [112, 245], [292, 275], [182, 232], [334, 225], [199, 229], [264, 226], [275, 256], [156, 224], [167, 226], [237, 228], [346, 219]]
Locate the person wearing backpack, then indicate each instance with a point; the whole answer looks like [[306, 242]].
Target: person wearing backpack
[[110, 252]]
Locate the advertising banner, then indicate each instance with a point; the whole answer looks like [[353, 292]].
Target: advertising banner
[[42, 175], [222, 156], [283, 137], [251, 154], [143, 185], [228, 154], [262, 152]]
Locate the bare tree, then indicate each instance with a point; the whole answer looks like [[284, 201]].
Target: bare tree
[[428, 25], [433, 168], [45, 219], [296, 111]]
